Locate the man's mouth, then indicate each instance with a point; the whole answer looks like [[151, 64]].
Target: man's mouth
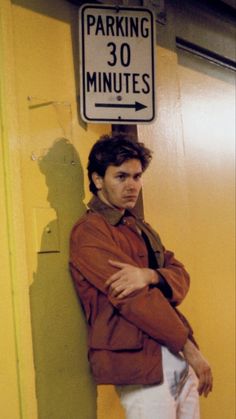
[[132, 197]]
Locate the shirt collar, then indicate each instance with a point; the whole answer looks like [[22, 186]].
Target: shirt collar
[[112, 215]]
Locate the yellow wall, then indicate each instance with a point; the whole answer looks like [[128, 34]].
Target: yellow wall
[[17, 395], [54, 145], [47, 159], [9, 398], [189, 197], [43, 190]]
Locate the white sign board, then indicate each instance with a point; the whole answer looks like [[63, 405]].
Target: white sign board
[[117, 64]]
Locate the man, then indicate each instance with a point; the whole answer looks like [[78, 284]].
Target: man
[[129, 286]]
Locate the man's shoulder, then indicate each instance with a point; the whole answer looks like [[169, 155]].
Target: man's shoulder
[[89, 220]]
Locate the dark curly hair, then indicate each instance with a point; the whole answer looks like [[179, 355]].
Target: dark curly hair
[[115, 150]]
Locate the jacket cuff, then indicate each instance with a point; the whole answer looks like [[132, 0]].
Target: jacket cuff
[[163, 286]]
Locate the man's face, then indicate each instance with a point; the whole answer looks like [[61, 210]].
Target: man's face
[[121, 185]]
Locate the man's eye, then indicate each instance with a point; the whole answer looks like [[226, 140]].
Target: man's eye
[[121, 177], [137, 177]]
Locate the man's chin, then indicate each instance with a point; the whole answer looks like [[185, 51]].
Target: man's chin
[[130, 204], [125, 205]]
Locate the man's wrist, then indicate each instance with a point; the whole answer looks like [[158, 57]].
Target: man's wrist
[[154, 277]]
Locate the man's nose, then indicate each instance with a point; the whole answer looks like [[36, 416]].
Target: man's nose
[[131, 184]]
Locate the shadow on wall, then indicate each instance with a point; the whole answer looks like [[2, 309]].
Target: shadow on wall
[[64, 386]]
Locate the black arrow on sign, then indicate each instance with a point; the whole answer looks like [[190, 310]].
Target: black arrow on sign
[[137, 105]]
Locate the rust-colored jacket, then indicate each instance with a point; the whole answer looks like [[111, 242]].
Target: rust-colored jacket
[[125, 335]]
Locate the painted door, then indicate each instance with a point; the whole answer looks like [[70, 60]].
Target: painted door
[[189, 192]]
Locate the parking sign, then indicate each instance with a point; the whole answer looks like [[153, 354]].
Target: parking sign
[[117, 66]]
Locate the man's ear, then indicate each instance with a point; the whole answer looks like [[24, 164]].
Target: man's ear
[[97, 180]]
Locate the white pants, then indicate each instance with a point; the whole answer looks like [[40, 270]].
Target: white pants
[[176, 398]]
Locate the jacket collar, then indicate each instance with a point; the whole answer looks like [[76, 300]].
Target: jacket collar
[[112, 215]]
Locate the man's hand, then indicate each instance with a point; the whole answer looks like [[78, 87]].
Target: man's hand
[[129, 278], [201, 367]]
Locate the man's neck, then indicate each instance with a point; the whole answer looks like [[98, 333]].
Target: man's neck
[[103, 199]]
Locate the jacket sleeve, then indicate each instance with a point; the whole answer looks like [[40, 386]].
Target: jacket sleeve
[[174, 279], [147, 309]]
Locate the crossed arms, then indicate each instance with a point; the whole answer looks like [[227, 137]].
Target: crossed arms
[[128, 279], [127, 286]]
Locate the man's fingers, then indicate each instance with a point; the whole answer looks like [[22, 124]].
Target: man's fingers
[[117, 264], [119, 290], [113, 278], [114, 292], [205, 383], [201, 384], [124, 293], [209, 385], [117, 275]]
